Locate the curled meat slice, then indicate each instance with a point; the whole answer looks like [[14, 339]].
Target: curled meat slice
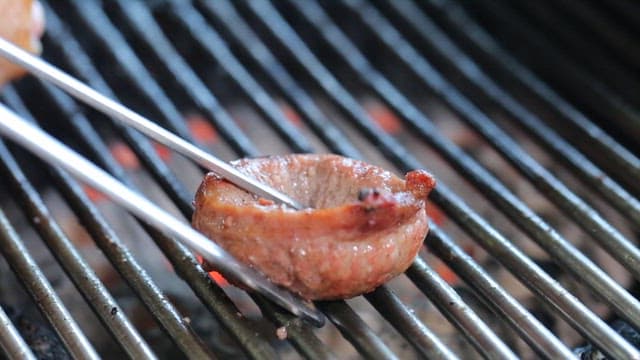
[[22, 23], [363, 225]]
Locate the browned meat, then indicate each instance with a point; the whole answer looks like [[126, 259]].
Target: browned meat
[[363, 226], [22, 23]]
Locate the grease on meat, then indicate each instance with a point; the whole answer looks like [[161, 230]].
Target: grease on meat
[[363, 225]]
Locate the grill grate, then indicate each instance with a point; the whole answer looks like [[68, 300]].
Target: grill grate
[[223, 59]]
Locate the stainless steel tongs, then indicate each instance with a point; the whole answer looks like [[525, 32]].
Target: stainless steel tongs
[[54, 152]]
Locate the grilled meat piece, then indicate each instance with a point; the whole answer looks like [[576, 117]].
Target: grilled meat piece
[[363, 225], [22, 23]]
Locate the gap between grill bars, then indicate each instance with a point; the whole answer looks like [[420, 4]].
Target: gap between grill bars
[[364, 80]]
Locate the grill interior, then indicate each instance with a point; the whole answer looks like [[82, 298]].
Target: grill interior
[[525, 112]]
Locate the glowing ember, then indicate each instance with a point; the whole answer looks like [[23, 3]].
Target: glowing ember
[[201, 129], [386, 119], [291, 114], [163, 152], [435, 214], [124, 155], [446, 273], [214, 275], [93, 194]]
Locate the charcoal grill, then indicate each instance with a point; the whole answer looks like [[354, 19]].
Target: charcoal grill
[[539, 173]]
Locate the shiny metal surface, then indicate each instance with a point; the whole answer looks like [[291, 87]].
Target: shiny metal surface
[[42, 69], [52, 151]]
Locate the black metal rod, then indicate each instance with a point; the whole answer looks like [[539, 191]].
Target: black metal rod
[[476, 40], [299, 98], [142, 22], [541, 340], [517, 210], [117, 253], [381, 310], [216, 48], [328, 83], [41, 291], [330, 86], [225, 13], [197, 27], [355, 330], [83, 129], [626, 12], [183, 261], [585, 169], [299, 333], [108, 36], [403, 319], [81, 64], [610, 33], [426, 343], [78, 60], [325, 140], [568, 40], [95, 293], [609, 238], [457, 311], [547, 289], [489, 238], [575, 83], [12, 344]]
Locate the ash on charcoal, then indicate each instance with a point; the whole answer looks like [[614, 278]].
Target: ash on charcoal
[[37, 334], [590, 352]]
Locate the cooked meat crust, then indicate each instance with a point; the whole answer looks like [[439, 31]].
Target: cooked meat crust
[[22, 23], [363, 226]]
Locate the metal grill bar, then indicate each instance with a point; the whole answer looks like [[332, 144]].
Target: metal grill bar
[[298, 332], [209, 40], [182, 260], [82, 65], [11, 342], [140, 19], [123, 261], [610, 34], [457, 311], [297, 52], [607, 236], [569, 41], [99, 153], [575, 83], [539, 338], [95, 293], [416, 333], [40, 290], [132, 67], [292, 91], [477, 41], [324, 24], [405, 308], [188, 15], [564, 253], [627, 12], [586, 170], [355, 330]]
